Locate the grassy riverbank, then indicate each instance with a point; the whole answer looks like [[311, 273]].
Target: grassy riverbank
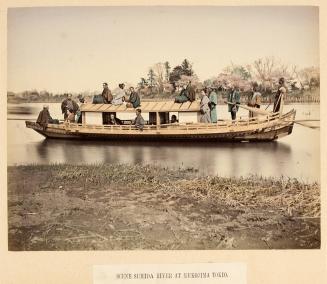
[[108, 207]]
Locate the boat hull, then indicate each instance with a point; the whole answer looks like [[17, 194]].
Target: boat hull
[[265, 131]]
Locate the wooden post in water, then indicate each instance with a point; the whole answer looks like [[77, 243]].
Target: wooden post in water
[[158, 120]]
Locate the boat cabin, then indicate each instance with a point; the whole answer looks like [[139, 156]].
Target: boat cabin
[[154, 113]]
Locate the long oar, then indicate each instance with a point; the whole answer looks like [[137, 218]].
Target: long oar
[[306, 125], [253, 109], [302, 122]]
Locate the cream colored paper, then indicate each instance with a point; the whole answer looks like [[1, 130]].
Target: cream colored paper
[[273, 266]]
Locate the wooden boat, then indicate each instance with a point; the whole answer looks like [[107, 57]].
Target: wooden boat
[[157, 115]]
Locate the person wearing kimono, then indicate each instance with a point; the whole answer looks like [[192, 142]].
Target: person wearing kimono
[[139, 121], [190, 92], [45, 118], [255, 101], [233, 100], [67, 104], [213, 103], [119, 97], [70, 116], [204, 108], [106, 94], [279, 95], [183, 96], [134, 98]]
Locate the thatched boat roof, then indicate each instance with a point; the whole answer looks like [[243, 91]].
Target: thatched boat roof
[[159, 106]]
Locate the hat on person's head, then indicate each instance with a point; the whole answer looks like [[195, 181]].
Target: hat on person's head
[[105, 83], [46, 106]]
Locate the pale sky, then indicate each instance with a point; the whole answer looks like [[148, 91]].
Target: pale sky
[[74, 49]]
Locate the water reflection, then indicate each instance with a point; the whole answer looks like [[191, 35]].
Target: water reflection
[[210, 158]]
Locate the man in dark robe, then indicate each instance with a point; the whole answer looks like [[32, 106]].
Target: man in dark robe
[[106, 94], [45, 118], [234, 100], [279, 95], [190, 92], [67, 104]]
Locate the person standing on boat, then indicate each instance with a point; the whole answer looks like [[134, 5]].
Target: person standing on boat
[[204, 108], [279, 95], [213, 105], [190, 92], [106, 94], [119, 97], [255, 99], [139, 121], [67, 104], [233, 101], [134, 99]]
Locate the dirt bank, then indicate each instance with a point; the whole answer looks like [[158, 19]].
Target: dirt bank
[[107, 207]]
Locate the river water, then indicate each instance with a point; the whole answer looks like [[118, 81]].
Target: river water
[[295, 156]]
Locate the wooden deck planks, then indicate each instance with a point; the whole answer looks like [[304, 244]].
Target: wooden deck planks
[[185, 105], [167, 106]]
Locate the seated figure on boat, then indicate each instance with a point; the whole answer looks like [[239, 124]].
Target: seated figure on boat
[[70, 116], [187, 94], [119, 96], [105, 97], [134, 99], [67, 104], [139, 121], [204, 108], [174, 119], [45, 118], [114, 120], [182, 97]]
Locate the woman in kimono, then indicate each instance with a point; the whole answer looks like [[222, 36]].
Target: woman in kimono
[[204, 108], [213, 104]]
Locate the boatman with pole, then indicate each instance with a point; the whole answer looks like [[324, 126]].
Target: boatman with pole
[[279, 97]]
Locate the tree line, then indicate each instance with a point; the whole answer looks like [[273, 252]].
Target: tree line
[[163, 81]]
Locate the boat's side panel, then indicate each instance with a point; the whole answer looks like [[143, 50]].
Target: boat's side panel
[[239, 136]]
